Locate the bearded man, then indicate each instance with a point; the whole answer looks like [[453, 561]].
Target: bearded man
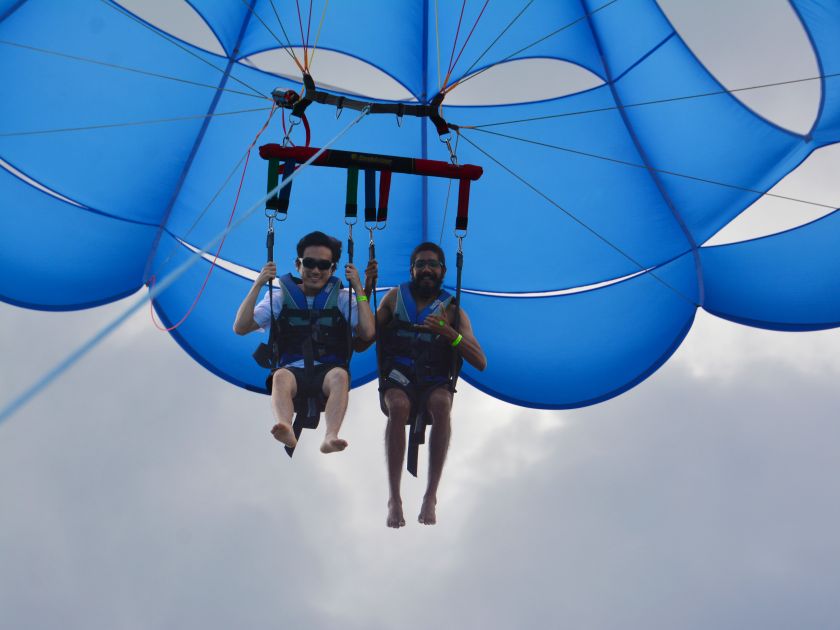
[[417, 340]]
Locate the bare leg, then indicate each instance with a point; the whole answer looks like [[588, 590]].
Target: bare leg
[[439, 406], [283, 389], [336, 386], [398, 405]]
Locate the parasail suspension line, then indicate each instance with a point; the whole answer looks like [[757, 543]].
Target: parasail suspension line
[[65, 364], [286, 47], [172, 41], [585, 16], [594, 232]]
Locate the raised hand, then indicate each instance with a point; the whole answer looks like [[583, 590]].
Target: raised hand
[[268, 273]]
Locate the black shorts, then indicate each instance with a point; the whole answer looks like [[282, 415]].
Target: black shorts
[[313, 388], [418, 395]]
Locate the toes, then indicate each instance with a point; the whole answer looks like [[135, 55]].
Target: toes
[[285, 434], [333, 445]]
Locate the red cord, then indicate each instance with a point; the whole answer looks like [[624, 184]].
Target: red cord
[[466, 41], [219, 250], [306, 128], [454, 44]]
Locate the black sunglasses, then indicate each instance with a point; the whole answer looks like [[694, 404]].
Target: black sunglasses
[[311, 263], [431, 264]]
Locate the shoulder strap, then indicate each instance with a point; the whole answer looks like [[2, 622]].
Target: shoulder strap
[[328, 297], [406, 308], [293, 297]]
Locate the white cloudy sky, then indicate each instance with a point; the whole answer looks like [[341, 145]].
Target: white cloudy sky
[[139, 491]]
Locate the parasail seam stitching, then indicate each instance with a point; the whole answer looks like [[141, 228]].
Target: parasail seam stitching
[[657, 181], [199, 139]]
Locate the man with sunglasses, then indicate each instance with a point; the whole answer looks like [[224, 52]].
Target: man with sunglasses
[[416, 343], [311, 333]]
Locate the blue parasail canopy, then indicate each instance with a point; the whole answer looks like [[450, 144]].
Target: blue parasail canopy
[[585, 256]]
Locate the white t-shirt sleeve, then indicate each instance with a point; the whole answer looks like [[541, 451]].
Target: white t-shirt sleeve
[[343, 298], [262, 311]]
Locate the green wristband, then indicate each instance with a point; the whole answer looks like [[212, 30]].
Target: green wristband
[[457, 340], [361, 298]]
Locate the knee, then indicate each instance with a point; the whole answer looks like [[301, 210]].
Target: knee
[[283, 382], [336, 378], [439, 405], [398, 405]]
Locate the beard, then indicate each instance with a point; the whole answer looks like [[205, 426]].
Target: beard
[[423, 289]]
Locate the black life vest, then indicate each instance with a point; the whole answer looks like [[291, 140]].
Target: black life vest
[[319, 333], [424, 357]]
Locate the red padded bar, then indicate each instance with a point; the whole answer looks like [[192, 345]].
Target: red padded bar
[[395, 164]]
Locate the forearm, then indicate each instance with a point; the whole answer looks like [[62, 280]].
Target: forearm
[[471, 352], [366, 328], [244, 322], [360, 344]]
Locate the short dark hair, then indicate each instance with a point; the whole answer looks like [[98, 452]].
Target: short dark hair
[[428, 247], [319, 239]]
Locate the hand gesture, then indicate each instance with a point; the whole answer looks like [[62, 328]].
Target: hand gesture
[[268, 273], [352, 275], [436, 323]]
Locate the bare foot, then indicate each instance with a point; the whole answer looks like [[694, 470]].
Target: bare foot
[[333, 444], [427, 514], [395, 514], [283, 432]]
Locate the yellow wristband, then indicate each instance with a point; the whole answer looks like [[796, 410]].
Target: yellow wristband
[[457, 340], [361, 298]]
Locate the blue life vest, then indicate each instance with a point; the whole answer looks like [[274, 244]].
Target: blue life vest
[[319, 333], [423, 357]]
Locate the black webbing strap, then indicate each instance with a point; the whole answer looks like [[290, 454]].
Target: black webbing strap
[[350, 248], [307, 410], [431, 110], [372, 256], [456, 359], [272, 325], [416, 437], [350, 220], [279, 202], [351, 204], [370, 195]]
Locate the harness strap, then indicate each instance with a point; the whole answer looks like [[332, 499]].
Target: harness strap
[[272, 336], [309, 416], [456, 359], [463, 205], [384, 193], [370, 195], [351, 205], [416, 437], [350, 248], [280, 201]]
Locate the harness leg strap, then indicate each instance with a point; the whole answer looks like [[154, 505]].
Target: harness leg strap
[[307, 416], [416, 437]]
